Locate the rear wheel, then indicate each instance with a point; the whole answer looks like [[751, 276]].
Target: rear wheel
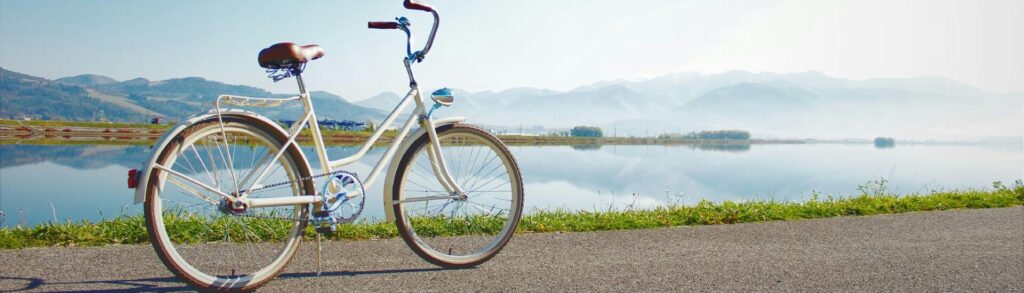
[[194, 232], [458, 232]]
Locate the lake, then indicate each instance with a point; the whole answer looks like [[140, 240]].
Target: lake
[[40, 183]]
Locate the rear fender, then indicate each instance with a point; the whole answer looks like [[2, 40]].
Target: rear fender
[[143, 175]]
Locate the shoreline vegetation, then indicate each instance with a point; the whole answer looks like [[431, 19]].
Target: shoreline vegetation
[[873, 199], [51, 132], [69, 132]]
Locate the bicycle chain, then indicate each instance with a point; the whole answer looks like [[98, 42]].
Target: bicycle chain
[[263, 217], [278, 184]]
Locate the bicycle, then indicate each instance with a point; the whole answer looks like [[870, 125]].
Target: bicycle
[[241, 191]]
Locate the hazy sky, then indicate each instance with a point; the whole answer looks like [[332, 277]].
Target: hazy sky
[[495, 45]]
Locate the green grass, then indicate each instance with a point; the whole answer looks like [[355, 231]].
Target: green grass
[[873, 200]]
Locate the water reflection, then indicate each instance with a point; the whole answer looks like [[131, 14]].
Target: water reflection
[[83, 157], [586, 147], [736, 148], [88, 181]]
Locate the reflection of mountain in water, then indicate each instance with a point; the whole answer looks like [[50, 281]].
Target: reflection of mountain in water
[[88, 157], [75, 156], [586, 147]]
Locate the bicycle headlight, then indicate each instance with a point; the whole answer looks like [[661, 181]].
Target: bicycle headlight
[[443, 96]]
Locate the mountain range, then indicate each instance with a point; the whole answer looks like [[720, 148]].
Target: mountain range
[[770, 105], [91, 97], [808, 104]]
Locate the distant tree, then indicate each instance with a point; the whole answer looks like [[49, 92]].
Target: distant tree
[[586, 131], [671, 136], [721, 134], [885, 142], [370, 127]]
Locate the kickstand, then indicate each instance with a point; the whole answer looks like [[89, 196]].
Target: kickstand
[[318, 250]]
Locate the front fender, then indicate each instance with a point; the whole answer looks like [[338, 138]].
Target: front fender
[[143, 176], [393, 167]]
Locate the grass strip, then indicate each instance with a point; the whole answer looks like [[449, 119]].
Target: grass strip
[[873, 200]]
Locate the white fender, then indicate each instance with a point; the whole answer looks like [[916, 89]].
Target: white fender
[[140, 189], [393, 166]]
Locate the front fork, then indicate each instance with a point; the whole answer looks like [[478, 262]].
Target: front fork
[[437, 159]]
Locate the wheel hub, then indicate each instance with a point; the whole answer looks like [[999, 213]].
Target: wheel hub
[[234, 207]]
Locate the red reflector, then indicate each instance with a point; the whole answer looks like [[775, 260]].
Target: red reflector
[[132, 175]]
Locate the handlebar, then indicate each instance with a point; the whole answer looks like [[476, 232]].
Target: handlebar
[[403, 25], [382, 25], [416, 6]]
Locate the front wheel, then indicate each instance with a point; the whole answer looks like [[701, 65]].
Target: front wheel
[[458, 232]]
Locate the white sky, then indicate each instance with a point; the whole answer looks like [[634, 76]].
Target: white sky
[[495, 45]]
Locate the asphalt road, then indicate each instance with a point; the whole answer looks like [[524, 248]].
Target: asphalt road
[[963, 250]]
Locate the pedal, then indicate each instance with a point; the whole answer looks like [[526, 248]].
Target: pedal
[[325, 229], [325, 224]]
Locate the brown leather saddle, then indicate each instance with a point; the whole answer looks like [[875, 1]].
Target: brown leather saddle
[[288, 55]]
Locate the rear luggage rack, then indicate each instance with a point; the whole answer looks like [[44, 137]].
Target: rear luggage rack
[[252, 102]]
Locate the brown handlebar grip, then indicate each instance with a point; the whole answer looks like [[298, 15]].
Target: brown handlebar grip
[[382, 24], [412, 5]]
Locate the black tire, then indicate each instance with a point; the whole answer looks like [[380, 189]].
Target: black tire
[[404, 221]]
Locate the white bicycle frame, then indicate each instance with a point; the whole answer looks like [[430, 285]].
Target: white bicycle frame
[[326, 165], [420, 114]]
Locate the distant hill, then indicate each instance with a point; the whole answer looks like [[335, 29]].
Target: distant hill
[[328, 106], [83, 97], [38, 98], [385, 101], [87, 80]]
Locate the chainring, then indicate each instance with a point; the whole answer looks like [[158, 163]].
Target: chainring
[[344, 197]]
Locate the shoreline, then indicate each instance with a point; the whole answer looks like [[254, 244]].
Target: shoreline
[[51, 132], [59, 132], [131, 229]]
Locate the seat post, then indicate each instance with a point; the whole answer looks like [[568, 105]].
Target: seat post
[[302, 85], [314, 127]]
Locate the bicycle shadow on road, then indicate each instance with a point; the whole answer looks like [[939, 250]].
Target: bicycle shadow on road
[[137, 285], [173, 284], [31, 283]]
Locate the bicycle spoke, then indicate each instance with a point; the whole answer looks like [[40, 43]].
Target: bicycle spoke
[[485, 184], [191, 191], [216, 170], [227, 160], [475, 176], [264, 160], [253, 168], [193, 181], [193, 168]]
